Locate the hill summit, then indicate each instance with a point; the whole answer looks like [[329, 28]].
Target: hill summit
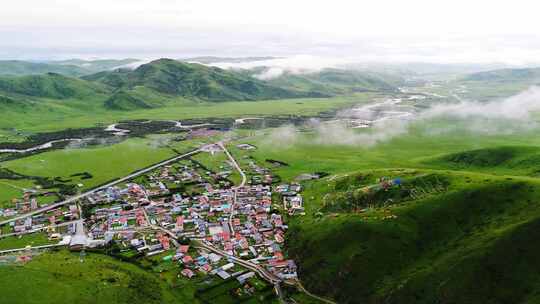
[[171, 77]]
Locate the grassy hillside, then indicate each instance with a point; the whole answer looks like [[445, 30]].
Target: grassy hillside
[[450, 245], [50, 85], [60, 277], [23, 68], [335, 81], [497, 84], [506, 75], [443, 236], [73, 67], [508, 159], [122, 100], [177, 78]]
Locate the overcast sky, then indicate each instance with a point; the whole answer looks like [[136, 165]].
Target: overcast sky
[[380, 30]]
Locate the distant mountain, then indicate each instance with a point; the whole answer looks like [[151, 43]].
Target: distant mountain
[[171, 77], [73, 67], [212, 59], [163, 81], [50, 85], [526, 74], [335, 81], [93, 66], [21, 68]]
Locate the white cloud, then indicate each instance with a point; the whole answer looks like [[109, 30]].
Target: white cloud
[[385, 30], [298, 64]]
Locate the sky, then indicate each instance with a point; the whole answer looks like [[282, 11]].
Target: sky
[[376, 31]]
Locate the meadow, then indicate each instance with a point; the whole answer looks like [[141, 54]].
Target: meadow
[[409, 251], [97, 279], [417, 148], [55, 115], [104, 163], [452, 245]]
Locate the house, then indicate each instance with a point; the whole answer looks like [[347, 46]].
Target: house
[[183, 248], [188, 273], [206, 268], [187, 259], [245, 277], [223, 274], [227, 266]]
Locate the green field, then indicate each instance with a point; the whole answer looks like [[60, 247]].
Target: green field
[[60, 277], [416, 149], [104, 163], [55, 115], [462, 227], [453, 245], [34, 239]]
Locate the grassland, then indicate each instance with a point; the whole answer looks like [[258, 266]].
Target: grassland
[[104, 163], [455, 246], [34, 239], [413, 149], [474, 242], [54, 115], [12, 189], [451, 246], [60, 277]]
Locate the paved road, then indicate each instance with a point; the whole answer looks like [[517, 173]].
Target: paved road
[[120, 180], [29, 248], [265, 274], [235, 189]]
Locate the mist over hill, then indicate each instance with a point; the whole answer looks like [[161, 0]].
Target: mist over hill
[[71, 67]]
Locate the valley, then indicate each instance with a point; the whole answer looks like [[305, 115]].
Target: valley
[[373, 194]]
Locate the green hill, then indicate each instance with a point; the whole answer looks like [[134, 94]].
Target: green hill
[[92, 66], [506, 75], [61, 277], [117, 78], [123, 100], [505, 160], [440, 237], [72, 67], [336, 81], [22, 68], [50, 85], [176, 78]]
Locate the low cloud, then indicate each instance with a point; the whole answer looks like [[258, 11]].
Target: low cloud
[[517, 107], [338, 133], [282, 136], [502, 117], [300, 64]]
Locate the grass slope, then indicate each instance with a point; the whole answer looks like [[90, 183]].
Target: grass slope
[[72, 67], [24, 68], [50, 85], [59, 277], [335, 81], [520, 160], [506, 75], [450, 247], [123, 100], [177, 78]]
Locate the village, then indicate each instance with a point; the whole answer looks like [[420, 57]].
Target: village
[[184, 214]]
